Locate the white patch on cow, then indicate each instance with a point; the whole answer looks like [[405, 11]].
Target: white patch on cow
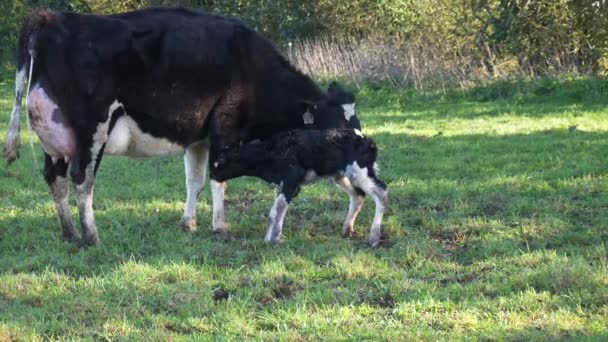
[[377, 169], [349, 110], [216, 164], [128, 139], [219, 217], [358, 132], [310, 176], [56, 137], [308, 118]]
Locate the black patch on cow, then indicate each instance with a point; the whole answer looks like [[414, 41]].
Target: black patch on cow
[[57, 117]]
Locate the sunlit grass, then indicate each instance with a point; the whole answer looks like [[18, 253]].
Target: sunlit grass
[[496, 230]]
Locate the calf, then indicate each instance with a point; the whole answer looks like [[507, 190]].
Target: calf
[[296, 157]]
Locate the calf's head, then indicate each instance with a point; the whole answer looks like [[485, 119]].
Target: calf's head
[[336, 110], [241, 160]]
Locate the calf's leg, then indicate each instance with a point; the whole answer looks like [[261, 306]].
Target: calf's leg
[[195, 164], [218, 191], [365, 179], [55, 176], [275, 220], [356, 198], [288, 191]]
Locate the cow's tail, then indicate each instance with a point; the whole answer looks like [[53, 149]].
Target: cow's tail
[[25, 65], [12, 143]]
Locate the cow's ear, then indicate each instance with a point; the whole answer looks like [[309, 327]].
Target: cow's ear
[[147, 45], [337, 95], [334, 89]]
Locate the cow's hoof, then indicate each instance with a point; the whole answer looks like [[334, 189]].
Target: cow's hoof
[[188, 224], [275, 241], [373, 242], [90, 240], [70, 236], [223, 234], [347, 232], [11, 153], [11, 147]]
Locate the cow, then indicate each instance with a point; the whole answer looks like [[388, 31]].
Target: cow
[[154, 82], [292, 158]]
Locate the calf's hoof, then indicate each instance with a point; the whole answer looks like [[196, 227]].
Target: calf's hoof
[[373, 242], [188, 224]]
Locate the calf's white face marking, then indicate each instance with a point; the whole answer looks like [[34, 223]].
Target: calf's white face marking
[[358, 132], [349, 110], [128, 139]]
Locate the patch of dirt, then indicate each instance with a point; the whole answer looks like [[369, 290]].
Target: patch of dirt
[[452, 240], [221, 294], [384, 300], [286, 289]]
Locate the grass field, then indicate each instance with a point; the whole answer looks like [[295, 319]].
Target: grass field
[[497, 230]]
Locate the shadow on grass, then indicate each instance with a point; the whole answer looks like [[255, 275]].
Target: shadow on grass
[[548, 179], [458, 205], [536, 99]]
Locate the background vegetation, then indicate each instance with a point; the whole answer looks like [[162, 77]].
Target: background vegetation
[[405, 42]]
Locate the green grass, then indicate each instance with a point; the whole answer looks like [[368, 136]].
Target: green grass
[[497, 230]]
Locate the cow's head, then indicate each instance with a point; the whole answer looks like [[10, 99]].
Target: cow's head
[[336, 110]]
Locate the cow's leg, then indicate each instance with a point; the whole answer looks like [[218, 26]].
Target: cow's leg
[[11, 146], [218, 190], [83, 172], [365, 179], [56, 177], [195, 164], [356, 197]]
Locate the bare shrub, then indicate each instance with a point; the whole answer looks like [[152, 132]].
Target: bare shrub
[[418, 63]]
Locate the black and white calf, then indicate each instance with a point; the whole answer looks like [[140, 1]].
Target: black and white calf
[[296, 157]]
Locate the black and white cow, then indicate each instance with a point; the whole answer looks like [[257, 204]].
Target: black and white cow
[[293, 158], [153, 82]]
